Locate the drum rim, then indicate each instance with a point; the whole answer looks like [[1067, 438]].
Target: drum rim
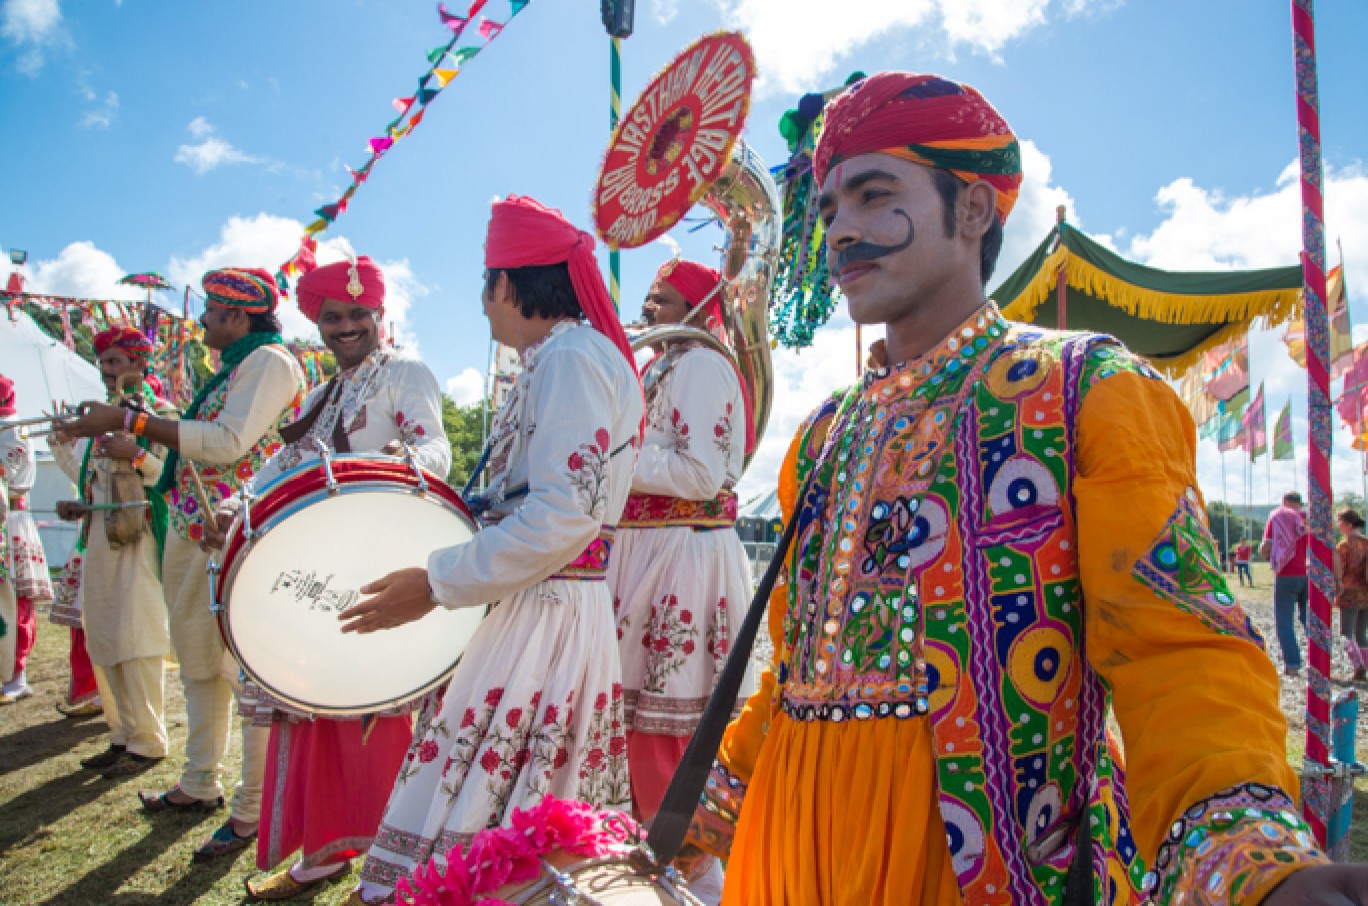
[[223, 588]]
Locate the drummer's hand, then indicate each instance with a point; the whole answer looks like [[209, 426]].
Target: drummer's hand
[[95, 419], [71, 510], [401, 597], [118, 446], [216, 531]]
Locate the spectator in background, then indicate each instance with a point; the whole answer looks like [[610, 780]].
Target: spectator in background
[[1284, 547], [1243, 551], [1351, 590]]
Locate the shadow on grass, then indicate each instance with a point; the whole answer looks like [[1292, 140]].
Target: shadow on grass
[[24, 819], [161, 835], [40, 742]]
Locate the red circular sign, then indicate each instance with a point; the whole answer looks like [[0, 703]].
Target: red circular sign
[[672, 145]]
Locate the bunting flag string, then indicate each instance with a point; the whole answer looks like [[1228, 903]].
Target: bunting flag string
[[445, 62]]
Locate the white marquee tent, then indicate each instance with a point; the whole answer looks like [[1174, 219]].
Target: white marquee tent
[[46, 372]]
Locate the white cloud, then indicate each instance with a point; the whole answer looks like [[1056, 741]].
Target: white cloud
[[103, 115], [664, 11], [32, 27], [466, 388], [1203, 229], [1035, 212], [211, 151], [81, 270], [265, 241], [799, 44]]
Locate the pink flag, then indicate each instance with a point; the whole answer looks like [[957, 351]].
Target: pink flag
[[1354, 399], [1256, 427], [490, 29], [1230, 370]]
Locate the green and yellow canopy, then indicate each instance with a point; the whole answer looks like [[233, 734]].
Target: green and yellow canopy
[[1170, 317]]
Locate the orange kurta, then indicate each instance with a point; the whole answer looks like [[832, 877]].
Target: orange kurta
[[845, 810]]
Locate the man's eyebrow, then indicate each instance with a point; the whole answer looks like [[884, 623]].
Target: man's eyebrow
[[858, 181]]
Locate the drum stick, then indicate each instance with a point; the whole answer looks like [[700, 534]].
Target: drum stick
[[130, 505], [201, 494]]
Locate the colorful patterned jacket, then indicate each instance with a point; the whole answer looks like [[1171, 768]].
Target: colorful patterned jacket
[[1059, 554]]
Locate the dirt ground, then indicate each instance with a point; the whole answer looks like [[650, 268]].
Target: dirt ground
[[68, 838]]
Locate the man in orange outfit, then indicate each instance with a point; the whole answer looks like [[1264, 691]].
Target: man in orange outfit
[[999, 538]]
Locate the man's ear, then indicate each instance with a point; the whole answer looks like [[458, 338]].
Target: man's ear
[[977, 208]]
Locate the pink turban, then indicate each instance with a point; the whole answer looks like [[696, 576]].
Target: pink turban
[[336, 281], [694, 282], [525, 233], [7, 404]]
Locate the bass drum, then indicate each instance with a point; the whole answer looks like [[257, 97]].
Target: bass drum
[[297, 557]]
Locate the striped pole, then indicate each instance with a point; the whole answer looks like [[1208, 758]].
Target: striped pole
[[615, 113], [1316, 791]]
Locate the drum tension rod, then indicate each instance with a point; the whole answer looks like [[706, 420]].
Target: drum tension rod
[[325, 455]]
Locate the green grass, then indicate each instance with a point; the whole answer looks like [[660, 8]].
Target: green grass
[[68, 838]]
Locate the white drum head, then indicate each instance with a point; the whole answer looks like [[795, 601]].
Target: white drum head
[[287, 588]]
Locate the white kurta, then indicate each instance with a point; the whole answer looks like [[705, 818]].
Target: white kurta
[[27, 561], [9, 606], [680, 589], [123, 610], [385, 398], [535, 706]]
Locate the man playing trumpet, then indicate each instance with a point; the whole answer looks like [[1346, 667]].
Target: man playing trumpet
[[123, 611], [228, 432]]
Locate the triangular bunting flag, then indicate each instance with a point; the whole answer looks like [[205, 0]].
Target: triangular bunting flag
[[461, 54], [517, 5], [453, 22], [475, 7], [317, 226], [417, 118], [327, 212], [403, 104], [443, 76], [435, 55], [380, 145], [490, 29], [426, 95]]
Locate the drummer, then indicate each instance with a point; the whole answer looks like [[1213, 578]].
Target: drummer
[[228, 432], [327, 779], [535, 707]]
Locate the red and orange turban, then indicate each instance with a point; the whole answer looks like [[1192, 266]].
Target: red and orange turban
[[525, 233], [128, 339], [250, 289], [925, 119], [7, 403], [361, 283]]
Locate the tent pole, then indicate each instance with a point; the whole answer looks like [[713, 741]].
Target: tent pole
[[1062, 290]]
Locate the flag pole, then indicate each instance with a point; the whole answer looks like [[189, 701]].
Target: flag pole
[[1317, 788], [1225, 520]]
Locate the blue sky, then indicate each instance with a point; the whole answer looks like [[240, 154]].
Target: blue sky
[[180, 136]]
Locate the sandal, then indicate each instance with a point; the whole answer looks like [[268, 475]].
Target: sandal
[[154, 803], [223, 842], [283, 885]]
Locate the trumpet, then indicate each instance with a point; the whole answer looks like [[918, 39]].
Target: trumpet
[[52, 421]]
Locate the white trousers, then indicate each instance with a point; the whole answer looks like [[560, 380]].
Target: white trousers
[[133, 694], [209, 707]]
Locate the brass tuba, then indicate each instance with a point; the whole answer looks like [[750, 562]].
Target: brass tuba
[[746, 201]]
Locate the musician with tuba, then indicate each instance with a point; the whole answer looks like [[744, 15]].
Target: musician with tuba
[[27, 563], [680, 576], [118, 583], [327, 779], [227, 433]]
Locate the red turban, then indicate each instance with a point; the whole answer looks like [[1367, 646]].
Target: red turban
[[525, 233], [335, 281], [7, 406], [695, 283], [128, 339], [248, 288], [925, 119]]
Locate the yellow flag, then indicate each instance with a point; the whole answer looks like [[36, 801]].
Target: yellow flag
[[443, 76]]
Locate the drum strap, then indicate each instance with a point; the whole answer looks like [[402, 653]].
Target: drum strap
[[294, 432]]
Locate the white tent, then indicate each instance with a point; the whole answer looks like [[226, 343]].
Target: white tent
[[46, 372]]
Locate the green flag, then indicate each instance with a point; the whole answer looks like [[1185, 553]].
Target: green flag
[[1282, 434]]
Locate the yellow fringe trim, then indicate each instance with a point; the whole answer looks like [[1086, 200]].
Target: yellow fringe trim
[[1271, 307]]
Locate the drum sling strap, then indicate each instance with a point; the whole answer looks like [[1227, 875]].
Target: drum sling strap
[[671, 823], [294, 432]]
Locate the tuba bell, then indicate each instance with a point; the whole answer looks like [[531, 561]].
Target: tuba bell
[[745, 200]]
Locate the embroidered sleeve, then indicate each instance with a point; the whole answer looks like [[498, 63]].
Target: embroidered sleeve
[[572, 406], [258, 394], [1195, 695], [418, 416], [701, 414]]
